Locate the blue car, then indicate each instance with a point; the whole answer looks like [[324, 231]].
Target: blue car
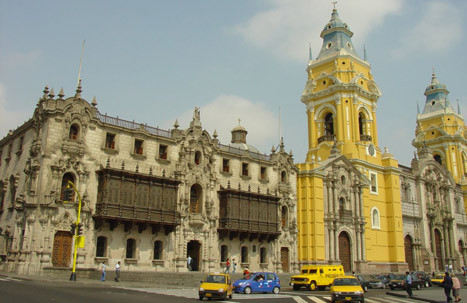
[[258, 282]]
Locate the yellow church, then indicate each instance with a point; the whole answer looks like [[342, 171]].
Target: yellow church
[[357, 206]]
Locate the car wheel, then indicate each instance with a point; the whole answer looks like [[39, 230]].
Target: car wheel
[[419, 287], [276, 290], [230, 296], [313, 285], [247, 290], [427, 284], [296, 287], [201, 298], [391, 287]]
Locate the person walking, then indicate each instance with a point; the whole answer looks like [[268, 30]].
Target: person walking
[[103, 270], [117, 272], [234, 264], [227, 266], [456, 286], [447, 284], [189, 260], [408, 284]]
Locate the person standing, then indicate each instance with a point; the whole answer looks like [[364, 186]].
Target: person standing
[[456, 286], [447, 283], [103, 270], [227, 266], [234, 264], [117, 272], [188, 262], [408, 284]]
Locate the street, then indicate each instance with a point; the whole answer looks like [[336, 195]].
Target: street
[[25, 291]]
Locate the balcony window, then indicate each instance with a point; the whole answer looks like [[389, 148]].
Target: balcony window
[[225, 165], [138, 147], [110, 141], [263, 175], [163, 152], [74, 132], [244, 169]]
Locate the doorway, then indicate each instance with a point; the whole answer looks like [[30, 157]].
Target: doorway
[[193, 250], [62, 249], [285, 259], [344, 251]]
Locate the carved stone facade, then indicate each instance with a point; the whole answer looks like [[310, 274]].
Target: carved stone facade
[[150, 197]]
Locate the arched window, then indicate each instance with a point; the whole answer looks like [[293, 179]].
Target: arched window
[[361, 120], [438, 159], [244, 254], [67, 177], [12, 191], [195, 198], [197, 157], [224, 253], [284, 216], [74, 132], [157, 250], [329, 124], [375, 218], [341, 203], [283, 176], [2, 195], [101, 246], [130, 248]]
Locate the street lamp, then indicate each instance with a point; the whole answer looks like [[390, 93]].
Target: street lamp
[[77, 227]]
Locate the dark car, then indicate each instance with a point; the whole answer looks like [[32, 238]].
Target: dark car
[[398, 281], [363, 282], [423, 276], [378, 281]]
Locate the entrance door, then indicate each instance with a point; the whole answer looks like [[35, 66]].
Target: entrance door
[[408, 252], [344, 251], [285, 259], [439, 255], [193, 250], [62, 249]]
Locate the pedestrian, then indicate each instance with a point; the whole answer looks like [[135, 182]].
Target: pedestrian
[[353, 273], [446, 268], [103, 270], [408, 284], [234, 264], [117, 272], [464, 269], [246, 273], [447, 284], [188, 262], [227, 266], [456, 286], [450, 268]]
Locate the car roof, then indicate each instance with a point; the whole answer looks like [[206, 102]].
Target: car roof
[[346, 277]]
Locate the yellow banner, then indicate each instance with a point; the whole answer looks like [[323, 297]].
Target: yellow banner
[[80, 241]]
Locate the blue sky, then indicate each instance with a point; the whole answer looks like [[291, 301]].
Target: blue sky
[[154, 61]]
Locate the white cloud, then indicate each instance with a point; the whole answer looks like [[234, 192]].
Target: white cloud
[[289, 26], [223, 113], [438, 29], [8, 119]]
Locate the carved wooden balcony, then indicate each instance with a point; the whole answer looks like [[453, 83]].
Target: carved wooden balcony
[[248, 215], [135, 198]]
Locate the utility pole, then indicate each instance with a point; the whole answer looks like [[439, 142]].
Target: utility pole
[[77, 228]]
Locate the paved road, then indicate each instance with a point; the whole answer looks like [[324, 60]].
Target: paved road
[[18, 290]]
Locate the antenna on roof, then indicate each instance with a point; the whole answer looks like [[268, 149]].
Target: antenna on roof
[[80, 63], [280, 128]]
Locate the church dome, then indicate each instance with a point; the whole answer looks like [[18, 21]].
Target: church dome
[[436, 97]]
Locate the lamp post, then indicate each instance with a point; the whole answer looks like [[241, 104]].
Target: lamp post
[[67, 197]]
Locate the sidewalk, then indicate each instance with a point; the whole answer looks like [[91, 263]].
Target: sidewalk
[[434, 294]]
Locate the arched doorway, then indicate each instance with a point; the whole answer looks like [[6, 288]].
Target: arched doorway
[[344, 251], [62, 249], [285, 259], [408, 247], [193, 250], [439, 255]]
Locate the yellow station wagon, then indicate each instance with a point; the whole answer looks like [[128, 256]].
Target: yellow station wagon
[[216, 286]]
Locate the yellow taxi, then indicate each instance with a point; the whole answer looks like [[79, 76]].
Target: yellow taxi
[[216, 286], [437, 279], [346, 289]]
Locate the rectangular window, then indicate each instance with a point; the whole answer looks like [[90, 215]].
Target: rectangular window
[[157, 250], [138, 147], [20, 145], [10, 148], [263, 173], [225, 165], [110, 141], [163, 152], [373, 183], [244, 169]]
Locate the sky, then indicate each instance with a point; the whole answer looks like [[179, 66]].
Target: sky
[[154, 61]]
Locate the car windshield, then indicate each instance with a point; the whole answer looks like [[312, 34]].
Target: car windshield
[[345, 281], [398, 277], [215, 279]]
